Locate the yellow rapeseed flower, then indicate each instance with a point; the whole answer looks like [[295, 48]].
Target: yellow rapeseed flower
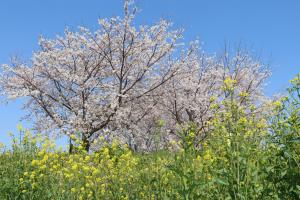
[[229, 83], [244, 94], [34, 185], [43, 167], [207, 156], [34, 162], [75, 167], [277, 104], [87, 158], [86, 168], [243, 120], [32, 175]]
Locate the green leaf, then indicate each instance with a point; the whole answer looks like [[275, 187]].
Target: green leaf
[[283, 173], [217, 180]]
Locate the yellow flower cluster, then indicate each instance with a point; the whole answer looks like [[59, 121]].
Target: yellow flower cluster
[[296, 81], [244, 94], [86, 176], [229, 84]]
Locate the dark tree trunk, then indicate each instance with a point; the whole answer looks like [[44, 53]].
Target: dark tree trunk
[[85, 143], [70, 146]]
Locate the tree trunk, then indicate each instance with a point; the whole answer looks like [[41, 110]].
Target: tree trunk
[[85, 143], [70, 146]]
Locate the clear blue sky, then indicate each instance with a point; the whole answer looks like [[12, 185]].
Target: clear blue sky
[[269, 27]]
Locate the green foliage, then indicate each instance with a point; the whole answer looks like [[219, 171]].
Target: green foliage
[[243, 156], [284, 157]]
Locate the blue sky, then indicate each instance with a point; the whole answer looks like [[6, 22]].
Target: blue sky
[[269, 27]]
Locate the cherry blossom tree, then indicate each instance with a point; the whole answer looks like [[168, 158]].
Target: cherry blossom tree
[[125, 81], [189, 97], [84, 82]]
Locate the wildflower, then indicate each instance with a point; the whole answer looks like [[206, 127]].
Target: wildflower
[[73, 137], [69, 176], [243, 120], [52, 145], [192, 134], [86, 169], [19, 127], [87, 158], [45, 157], [95, 172], [88, 177], [34, 185], [212, 99], [32, 175], [262, 123], [45, 145], [115, 145], [98, 180], [296, 80], [105, 151], [43, 167], [75, 167], [173, 142], [277, 104], [229, 83], [252, 108], [209, 177], [248, 133], [34, 162], [33, 141], [181, 150], [101, 138], [244, 94], [214, 106], [207, 156], [228, 142], [41, 153]]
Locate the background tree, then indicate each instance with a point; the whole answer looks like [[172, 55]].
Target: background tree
[[190, 96]]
